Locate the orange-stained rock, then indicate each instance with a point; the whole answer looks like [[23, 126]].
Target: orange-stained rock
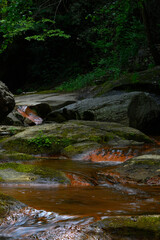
[[77, 180], [31, 115]]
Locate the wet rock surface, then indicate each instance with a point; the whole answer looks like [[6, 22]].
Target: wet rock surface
[[18, 173], [7, 102], [120, 108], [142, 169], [73, 137], [90, 188], [8, 204], [53, 99], [55, 226], [141, 227]]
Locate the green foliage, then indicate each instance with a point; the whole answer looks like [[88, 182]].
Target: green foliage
[[82, 81], [19, 91], [135, 78], [117, 34], [114, 31], [12, 130], [43, 141], [19, 17], [48, 33], [90, 40]]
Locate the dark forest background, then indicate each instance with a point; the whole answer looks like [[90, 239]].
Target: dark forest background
[[73, 44]]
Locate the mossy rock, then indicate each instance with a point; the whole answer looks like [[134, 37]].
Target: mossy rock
[[15, 156], [81, 135], [48, 145], [8, 204], [140, 227], [6, 130], [79, 149], [113, 130], [132, 134], [141, 169], [15, 172], [147, 80]]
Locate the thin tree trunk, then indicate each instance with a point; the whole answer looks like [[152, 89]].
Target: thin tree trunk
[[150, 37]]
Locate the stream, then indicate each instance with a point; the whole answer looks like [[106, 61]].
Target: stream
[[63, 212]]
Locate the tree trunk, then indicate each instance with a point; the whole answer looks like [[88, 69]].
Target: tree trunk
[[150, 35]]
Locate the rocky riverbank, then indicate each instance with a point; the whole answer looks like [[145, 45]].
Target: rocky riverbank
[[73, 129]]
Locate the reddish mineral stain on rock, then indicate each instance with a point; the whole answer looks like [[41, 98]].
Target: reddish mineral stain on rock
[[110, 155], [26, 112], [77, 180]]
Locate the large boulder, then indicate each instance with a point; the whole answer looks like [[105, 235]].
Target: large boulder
[[42, 109], [72, 139], [144, 114], [135, 109], [7, 102]]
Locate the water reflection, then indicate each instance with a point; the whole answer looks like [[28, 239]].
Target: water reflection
[[86, 201], [55, 211]]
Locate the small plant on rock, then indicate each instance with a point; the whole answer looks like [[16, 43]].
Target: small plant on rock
[[50, 142], [40, 141], [12, 131]]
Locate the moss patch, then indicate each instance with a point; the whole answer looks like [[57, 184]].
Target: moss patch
[[141, 169], [141, 227], [138, 81], [8, 203], [50, 145], [44, 173], [80, 148], [139, 137], [47, 91], [54, 138], [15, 156]]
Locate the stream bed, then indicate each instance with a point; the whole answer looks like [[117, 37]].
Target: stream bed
[[63, 211]]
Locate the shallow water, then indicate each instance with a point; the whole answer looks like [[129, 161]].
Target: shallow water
[[94, 202], [55, 210]]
